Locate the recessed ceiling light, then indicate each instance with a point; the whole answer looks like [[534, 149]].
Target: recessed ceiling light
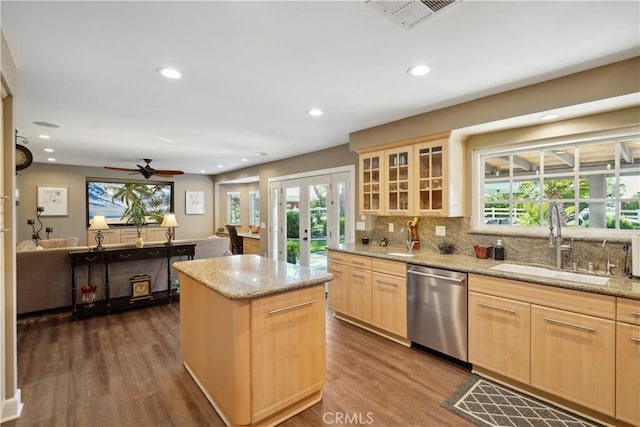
[[51, 159], [419, 70], [48, 150], [315, 112], [170, 73], [46, 124], [549, 117], [202, 171], [44, 137], [243, 159], [220, 166], [260, 153]]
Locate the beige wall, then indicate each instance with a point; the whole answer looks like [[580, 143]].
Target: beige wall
[[617, 79], [318, 160], [74, 177]]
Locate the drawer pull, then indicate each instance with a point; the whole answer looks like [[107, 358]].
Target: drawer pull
[[335, 258], [494, 307], [571, 325], [635, 313], [387, 283], [153, 252], [359, 276], [635, 340], [358, 262], [291, 307], [124, 256], [335, 270], [181, 251], [90, 258]]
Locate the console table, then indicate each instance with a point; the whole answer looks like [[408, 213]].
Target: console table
[[113, 255]]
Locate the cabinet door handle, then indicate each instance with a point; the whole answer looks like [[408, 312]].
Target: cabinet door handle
[[635, 313], [384, 282], [5, 230], [494, 307], [570, 325], [359, 276], [291, 307], [635, 340]]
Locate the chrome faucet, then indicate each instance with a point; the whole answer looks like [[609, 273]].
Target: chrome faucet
[[609, 263], [410, 243], [555, 240]]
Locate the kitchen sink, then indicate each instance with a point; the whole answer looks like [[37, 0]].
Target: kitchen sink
[[587, 279], [404, 254]]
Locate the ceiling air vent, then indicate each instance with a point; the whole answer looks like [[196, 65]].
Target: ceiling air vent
[[410, 13]]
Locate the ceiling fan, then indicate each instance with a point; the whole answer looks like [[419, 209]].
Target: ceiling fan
[[147, 171]]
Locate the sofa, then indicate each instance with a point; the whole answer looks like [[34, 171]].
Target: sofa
[[43, 276]]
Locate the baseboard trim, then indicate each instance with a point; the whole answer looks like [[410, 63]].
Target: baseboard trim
[[12, 408]]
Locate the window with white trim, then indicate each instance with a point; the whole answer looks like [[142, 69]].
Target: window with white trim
[[233, 208], [596, 181], [254, 207]]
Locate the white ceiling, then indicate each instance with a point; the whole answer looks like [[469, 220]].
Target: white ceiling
[[251, 70]]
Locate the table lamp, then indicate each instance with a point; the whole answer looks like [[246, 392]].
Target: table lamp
[[99, 222], [170, 222]]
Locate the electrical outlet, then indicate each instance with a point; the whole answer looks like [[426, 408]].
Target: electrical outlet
[[390, 227], [441, 230]]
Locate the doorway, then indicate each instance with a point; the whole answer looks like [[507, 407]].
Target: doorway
[[308, 213]]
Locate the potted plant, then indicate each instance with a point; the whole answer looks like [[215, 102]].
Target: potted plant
[[133, 196]]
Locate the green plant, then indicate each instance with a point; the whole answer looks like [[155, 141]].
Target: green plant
[[293, 251], [136, 198], [293, 223]]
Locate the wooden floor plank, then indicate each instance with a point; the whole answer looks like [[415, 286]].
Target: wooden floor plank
[[126, 370]]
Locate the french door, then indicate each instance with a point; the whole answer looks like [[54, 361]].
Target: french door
[[307, 214]]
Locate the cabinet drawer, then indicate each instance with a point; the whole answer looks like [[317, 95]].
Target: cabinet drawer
[[88, 258], [628, 310], [154, 252], [350, 259], [565, 299], [183, 250], [394, 268]]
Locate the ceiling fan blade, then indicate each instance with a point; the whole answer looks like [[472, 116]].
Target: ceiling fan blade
[[169, 171], [121, 169]]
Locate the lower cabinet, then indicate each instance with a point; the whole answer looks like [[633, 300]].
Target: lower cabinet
[[628, 361], [371, 293], [573, 357], [500, 335], [555, 341]]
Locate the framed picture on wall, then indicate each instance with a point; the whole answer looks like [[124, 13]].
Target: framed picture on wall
[[194, 201], [54, 200]]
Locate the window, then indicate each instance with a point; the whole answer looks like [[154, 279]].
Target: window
[[596, 180], [254, 207], [233, 208]]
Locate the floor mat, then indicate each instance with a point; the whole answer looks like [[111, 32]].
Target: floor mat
[[485, 403]]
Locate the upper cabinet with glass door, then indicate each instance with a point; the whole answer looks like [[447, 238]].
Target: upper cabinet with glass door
[[439, 184], [397, 182], [371, 174]]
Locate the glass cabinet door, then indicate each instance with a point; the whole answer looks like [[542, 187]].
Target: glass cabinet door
[[398, 178], [430, 178], [370, 181]]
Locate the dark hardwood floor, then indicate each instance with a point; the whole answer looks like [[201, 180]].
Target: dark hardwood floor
[[126, 370]]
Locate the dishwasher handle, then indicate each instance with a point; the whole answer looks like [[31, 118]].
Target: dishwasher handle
[[435, 276]]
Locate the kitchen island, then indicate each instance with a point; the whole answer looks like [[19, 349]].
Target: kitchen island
[[252, 333]]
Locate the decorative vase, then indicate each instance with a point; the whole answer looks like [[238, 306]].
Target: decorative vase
[[89, 295], [139, 242]]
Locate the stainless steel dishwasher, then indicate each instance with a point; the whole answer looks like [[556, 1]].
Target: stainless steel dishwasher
[[437, 305]]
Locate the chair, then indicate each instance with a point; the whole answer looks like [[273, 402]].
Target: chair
[[236, 241]]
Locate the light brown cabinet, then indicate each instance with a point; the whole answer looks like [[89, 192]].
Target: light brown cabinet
[[370, 293], [389, 296], [564, 341], [287, 347], [371, 173], [500, 335], [128, 235], [422, 177], [628, 361], [573, 357]]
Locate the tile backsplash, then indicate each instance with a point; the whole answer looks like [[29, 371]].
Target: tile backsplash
[[524, 249]]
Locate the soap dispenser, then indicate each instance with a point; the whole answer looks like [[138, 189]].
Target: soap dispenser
[[498, 251]]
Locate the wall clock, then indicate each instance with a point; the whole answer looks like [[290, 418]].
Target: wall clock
[[24, 158]]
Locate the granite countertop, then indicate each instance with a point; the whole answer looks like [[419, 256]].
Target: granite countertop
[[618, 284], [250, 276]]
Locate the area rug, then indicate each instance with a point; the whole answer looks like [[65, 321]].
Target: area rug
[[485, 403]]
